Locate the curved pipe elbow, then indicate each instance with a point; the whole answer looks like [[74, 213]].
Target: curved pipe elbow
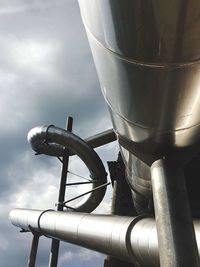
[[51, 140]]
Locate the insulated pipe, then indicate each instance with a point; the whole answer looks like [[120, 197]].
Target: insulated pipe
[[101, 139], [46, 139], [127, 238], [56, 150]]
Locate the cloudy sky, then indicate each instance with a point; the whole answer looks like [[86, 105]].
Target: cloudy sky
[[46, 74]]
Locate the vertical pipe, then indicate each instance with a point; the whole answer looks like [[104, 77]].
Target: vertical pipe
[[53, 259], [176, 237], [33, 252]]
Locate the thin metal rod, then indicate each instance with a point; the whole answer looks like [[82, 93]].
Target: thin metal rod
[[33, 252], [176, 237], [53, 260], [78, 175], [80, 183], [61, 197], [96, 188]]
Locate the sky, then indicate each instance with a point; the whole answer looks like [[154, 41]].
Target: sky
[[46, 74]]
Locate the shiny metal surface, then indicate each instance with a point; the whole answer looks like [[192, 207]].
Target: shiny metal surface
[[101, 139], [125, 238], [49, 140], [176, 237], [54, 149], [153, 31], [147, 59], [138, 175]]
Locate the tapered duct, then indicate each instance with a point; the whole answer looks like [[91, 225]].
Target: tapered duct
[[147, 58]]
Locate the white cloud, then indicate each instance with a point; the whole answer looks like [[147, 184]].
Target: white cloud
[[34, 56], [68, 255], [87, 255], [72, 253]]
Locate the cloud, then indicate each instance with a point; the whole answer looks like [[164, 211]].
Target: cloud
[[75, 256], [46, 73]]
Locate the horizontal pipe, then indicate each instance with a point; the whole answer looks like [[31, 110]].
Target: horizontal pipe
[[49, 140], [101, 139], [127, 238]]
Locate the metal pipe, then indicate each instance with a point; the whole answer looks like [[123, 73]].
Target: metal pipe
[[46, 138], [101, 139], [56, 150], [176, 237], [127, 238]]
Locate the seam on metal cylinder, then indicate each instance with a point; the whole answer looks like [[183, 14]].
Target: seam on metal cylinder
[[147, 128], [128, 236], [38, 222], [176, 65], [47, 132]]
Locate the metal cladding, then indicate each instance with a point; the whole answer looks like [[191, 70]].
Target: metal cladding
[[147, 59], [147, 56], [51, 140], [127, 238], [176, 236], [101, 139]]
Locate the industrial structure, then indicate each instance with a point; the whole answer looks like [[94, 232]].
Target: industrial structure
[[147, 59]]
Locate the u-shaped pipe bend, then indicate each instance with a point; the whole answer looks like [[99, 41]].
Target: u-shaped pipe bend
[[51, 140]]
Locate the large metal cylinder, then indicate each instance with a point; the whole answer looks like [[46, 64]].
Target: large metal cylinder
[[147, 59], [127, 238]]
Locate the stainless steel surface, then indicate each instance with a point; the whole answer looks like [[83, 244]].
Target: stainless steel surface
[[44, 139], [154, 31], [176, 237], [125, 238], [101, 139], [138, 175], [147, 58], [54, 149]]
